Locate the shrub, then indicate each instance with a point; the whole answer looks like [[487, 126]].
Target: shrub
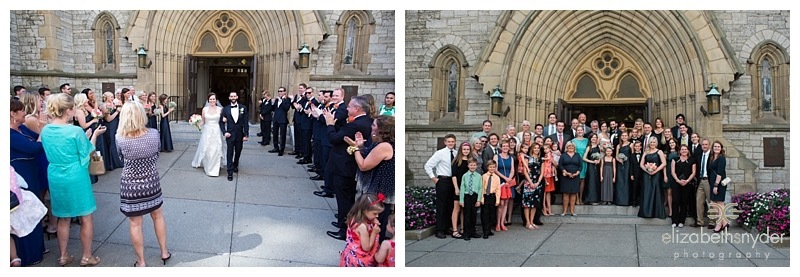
[[420, 208], [764, 212]]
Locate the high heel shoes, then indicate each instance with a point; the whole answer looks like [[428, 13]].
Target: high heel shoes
[[724, 227], [167, 258]]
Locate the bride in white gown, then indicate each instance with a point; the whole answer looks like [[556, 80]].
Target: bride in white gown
[[210, 151]]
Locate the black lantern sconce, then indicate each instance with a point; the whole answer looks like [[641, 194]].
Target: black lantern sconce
[[303, 57], [497, 101], [713, 100], [142, 54]]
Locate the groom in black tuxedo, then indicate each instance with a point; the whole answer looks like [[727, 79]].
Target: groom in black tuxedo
[[235, 128]]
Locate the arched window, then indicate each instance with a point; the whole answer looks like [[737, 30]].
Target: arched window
[[106, 47], [352, 51], [448, 78], [350, 45], [108, 30], [766, 86], [768, 67], [452, 87]]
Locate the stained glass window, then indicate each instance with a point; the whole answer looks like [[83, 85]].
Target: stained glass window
[[350, 44], [108, 34], [452, 87], [766, 86]]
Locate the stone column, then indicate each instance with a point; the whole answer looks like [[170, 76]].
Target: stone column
[[49, 54]]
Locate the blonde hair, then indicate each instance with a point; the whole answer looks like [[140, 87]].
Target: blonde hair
[[107, 95], [30, 101], [132, 119], [59, 103], [80, 100]]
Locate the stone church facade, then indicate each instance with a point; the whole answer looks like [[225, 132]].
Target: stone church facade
[[191, 53], [644, 64]]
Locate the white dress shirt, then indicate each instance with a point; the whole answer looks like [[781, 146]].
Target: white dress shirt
[[439, 163], [235, 113]]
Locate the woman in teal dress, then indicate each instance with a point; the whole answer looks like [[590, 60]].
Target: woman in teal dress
[[581, 144], [67, 149]]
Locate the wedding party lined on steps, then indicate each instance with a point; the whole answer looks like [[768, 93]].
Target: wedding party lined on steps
[[644, 166]]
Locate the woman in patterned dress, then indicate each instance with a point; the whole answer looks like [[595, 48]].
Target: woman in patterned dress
[[379, 159], [534, 185], [140, 189]]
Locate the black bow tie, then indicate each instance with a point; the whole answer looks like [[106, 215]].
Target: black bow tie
[[234, 106]]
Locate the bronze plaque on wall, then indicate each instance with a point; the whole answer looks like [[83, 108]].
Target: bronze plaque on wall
[[774, 155], [108, 87]]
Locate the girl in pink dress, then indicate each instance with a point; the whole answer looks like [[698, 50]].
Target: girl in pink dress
[[385, 255], [363, 231]]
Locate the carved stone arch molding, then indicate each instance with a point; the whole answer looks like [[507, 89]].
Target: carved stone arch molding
[[540, 54], [607, 67], [224, 33]]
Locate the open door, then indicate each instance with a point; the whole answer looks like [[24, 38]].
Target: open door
[[255, 94], [564, 111], [190, 101]]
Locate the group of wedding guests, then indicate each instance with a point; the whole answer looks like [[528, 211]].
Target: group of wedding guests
[[52, 138], [350, 146], [664, 171]]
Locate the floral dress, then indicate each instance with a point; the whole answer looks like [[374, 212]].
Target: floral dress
[[353, 255], [532, 197], [389, 262]]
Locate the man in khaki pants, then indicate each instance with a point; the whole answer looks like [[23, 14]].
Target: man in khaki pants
[[703, 188]]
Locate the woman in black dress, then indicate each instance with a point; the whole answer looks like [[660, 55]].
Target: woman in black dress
[[592, 180], [458, 168], [652, 164], [85, 120], [164, 132], [533, 189], [683, 171], [111, 107], [150, 107], [716, 173], [570, 165], [621, 196]]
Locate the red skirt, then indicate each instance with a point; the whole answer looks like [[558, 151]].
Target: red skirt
[[549, 184]]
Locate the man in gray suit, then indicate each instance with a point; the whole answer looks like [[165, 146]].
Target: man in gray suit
[[492, 149], [550, 128]]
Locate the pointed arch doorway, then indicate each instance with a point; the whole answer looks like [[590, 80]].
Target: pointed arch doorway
[[607, 85]]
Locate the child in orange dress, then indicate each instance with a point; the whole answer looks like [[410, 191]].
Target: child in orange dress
[[549, 173], [363, 231], [385, 255]]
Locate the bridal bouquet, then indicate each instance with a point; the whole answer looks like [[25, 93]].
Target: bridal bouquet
[[97, 113], [172, 105], [597, 156], [650, 167], [195, 120], [117, 103], [622, 157]]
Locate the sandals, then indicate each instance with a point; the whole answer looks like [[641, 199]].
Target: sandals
[[457, 235], [64, 261], [16, 262], [93, 261]]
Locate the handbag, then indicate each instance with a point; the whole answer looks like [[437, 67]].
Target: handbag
[[96, 164]]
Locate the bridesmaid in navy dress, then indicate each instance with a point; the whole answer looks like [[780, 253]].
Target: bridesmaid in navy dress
[[716, 173], [25, 147], [111, 106], [653, 163], [150, 106], [165, 133], [85, 120]]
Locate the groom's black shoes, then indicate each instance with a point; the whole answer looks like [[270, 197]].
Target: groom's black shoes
[[323, 194], [230, 177], [236, 170], [273, 151]]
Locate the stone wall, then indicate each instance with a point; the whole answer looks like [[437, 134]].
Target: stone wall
[[426, 33], [381, 45], [377, 89], [420, 146], [749, 143]]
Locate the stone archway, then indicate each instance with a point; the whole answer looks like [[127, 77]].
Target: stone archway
[[172, 38], [534, 54]]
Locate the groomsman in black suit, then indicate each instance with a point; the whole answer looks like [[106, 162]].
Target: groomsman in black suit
[[342, 166], [265, 114], [306, 126], [296, 119], [236, 129], [320, 135], [339, 111], [279, 121]]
